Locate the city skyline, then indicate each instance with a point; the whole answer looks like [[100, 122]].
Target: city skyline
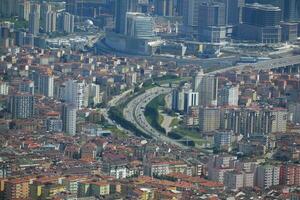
[[149, 99]]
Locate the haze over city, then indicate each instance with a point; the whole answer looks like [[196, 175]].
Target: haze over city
[[149, 99]]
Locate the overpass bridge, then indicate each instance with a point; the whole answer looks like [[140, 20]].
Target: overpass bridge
[[289, 64]]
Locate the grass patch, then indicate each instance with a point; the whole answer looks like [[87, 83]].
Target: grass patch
[[175, 122], [192, 134], [160, 118], [117, 132], [116, 113], [152, 115]]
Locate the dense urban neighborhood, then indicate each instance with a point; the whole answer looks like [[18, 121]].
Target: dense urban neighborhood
[[149, 99]]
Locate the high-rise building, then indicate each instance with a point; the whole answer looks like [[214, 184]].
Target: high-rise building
[[4, 87], [292, 10], [261, 15], [261, 23], [191, 119], [290, 175], [21, 106], [234, 180], [68, 117], [228, 96], [140, 26], [294, 111], [197, 80], [191, 99], [71, 6], [277, 3], [267, 176], [279, 120], [178, 100], [212, 22], [45, 9], [254, 121], [8, 8], [289, 31], [223, 139], [190, 13], [49, 24], [24, 10], [164, 7], [54, 124], [46, 85], [26, 86], [17, 189], [233, 11], [76, 93], [209, 119], [121, 8], [131, 78], [218, 165], [5, 168], [207, 87], [43, 82], [231, 120], [94, 94], [34, 19], [67, 21]]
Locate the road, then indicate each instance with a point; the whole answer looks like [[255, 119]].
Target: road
[[134, 112], [115, 101], [103, 48], [265, 65]]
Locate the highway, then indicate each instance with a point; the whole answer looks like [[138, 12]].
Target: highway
[[103, 48], [115, 101], [265, 65], [134, 112]]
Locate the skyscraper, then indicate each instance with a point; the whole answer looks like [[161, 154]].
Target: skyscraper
[[223, 139], [121, 8], [24, 10], [267, 176], [164, 7], [229, 96], [178, 100], [261, 23], [254, 121], [233, 11], [291, 10], [68, 117], [26, 86], [46, 85], [50, 22], [67, 22], [209, 119], [8, 8], [294, 111], [212, 22], [261, 15], [34, 19], [197, 79], [207, 87], [139, 26], [190, 12], [21, 106], [45, 9], [190, 99], [77, 93]]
